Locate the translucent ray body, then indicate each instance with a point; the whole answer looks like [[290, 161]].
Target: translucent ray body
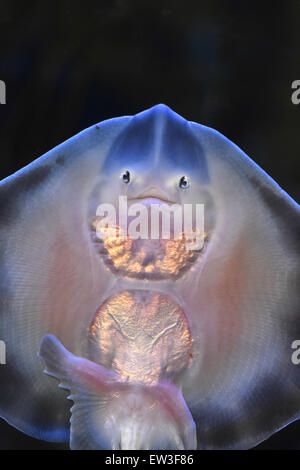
[[240, 296]]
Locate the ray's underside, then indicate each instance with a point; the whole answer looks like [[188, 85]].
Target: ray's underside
[[157, 345]]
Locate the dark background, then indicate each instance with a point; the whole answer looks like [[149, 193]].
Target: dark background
[[225, 64]]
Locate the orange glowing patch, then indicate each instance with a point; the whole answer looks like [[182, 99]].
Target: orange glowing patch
[[153, 259], [142, 335]]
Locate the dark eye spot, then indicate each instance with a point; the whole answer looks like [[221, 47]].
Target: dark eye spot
[[184, 182], [125, 176]]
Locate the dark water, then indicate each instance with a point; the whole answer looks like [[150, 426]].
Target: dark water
[[226, 64]]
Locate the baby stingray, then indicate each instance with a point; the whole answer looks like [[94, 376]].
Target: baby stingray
[[158, 343]]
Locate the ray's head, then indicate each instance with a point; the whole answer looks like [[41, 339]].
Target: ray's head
[[156, 156], [156, 159]]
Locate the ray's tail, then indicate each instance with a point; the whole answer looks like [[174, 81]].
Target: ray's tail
[[112, 413]]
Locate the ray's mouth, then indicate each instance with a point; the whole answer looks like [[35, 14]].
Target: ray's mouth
[[153, 196], [151, 199]]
